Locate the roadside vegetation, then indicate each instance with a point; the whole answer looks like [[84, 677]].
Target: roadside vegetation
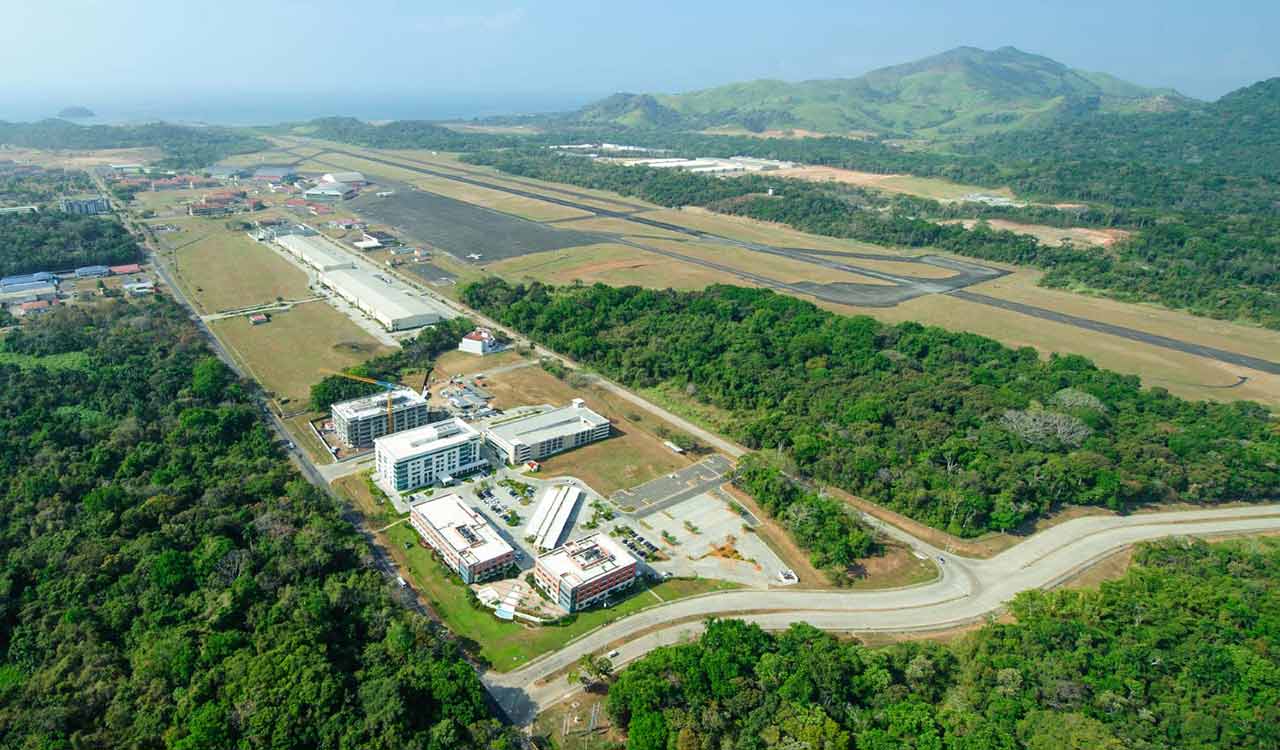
[[27, 185], [1180, 652], [169, 580], [951, 429]]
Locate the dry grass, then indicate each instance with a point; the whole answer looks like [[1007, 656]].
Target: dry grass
[[300, 429], [79, 159], [772, 266], [616, 265], [224, 270], [925, 187], [898, 567], [289, 354], [463, 363], [1053, 236]]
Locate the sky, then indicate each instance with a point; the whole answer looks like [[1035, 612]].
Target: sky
[[362, 57]]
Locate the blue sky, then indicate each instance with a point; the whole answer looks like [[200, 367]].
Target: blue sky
[[227, 48]]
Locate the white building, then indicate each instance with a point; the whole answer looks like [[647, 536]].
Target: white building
[[465, 541], [550, 432], [316, 251], [423, 456], [348, 178], [384, 299], [360, 421], [584, 571], [480, 341], [554, 510], [329, 192]]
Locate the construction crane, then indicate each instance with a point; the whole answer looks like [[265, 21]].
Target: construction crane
[[390, 388]]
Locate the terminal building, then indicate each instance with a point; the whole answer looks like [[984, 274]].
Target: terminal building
[[466, 542], [437, 452], [360, 421], [540, 435], [585, 571]]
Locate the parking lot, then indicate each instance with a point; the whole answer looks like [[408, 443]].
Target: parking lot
[[675, 487]]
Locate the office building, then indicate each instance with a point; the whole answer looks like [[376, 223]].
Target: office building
[[360, 421], [540, 435], [426, 455], [585, 571], [464, 540]]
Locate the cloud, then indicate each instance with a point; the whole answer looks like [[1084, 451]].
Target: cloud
[[502, 20]]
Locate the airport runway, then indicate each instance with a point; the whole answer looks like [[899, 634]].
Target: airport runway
[[899, 289]]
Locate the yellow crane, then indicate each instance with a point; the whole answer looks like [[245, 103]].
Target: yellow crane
[[389, 387]]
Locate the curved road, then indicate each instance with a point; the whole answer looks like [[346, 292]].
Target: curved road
[[967, 591]]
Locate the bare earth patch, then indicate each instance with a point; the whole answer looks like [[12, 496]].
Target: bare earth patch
[[1053, 236]]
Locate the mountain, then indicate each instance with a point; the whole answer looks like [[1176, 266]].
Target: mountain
[[75, 113], [965, 91]]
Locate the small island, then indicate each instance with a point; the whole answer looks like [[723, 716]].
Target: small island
[[76, 113]]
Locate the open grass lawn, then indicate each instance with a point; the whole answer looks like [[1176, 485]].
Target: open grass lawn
[[223, 270], [567, 725], [925, 187], [300, 428], [289, 354], [508, 645], [376, 510]]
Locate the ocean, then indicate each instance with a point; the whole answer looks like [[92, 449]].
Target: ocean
[[272, 108]]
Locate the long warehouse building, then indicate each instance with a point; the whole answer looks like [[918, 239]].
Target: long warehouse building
[[552, 515], [316, 251], [384, 299]]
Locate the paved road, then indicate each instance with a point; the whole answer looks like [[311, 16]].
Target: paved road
[[967, 591]]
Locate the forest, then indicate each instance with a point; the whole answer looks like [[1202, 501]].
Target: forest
[[183, 147], [170, 581], [54, 241], [1180, 652], [952, 429], [1220, 267], [27, 185], [398, 134]]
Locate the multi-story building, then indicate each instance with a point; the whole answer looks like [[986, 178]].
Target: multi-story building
[[585, 571], [360, 421], [540, 435], [480, 341], [466, 542], [437, 452]]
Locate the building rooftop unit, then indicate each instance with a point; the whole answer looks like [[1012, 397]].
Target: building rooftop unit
[[368, 406], [315, 251], [552, 515], [536, 428], [586, 559], [433, 437], [464, 530]]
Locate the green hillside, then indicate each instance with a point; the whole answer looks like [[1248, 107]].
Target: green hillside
[[965, 91]]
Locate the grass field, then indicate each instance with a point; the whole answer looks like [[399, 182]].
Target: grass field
[[925, 187], [1053, 236], [289, 354], [1185, 375], [224, 270]]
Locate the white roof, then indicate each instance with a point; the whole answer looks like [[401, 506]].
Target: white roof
[[462, 528], [330, 188], [388, 298], [343, 177], [428, 439], [315, 251], [551, 515], [539, 427], [586, 559], [368, 406]]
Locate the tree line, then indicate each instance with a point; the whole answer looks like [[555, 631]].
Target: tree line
[[52, 240], [1213, 266], [22, 186], [184, 147], [1181, 652], [168, 580], [952, 429]]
